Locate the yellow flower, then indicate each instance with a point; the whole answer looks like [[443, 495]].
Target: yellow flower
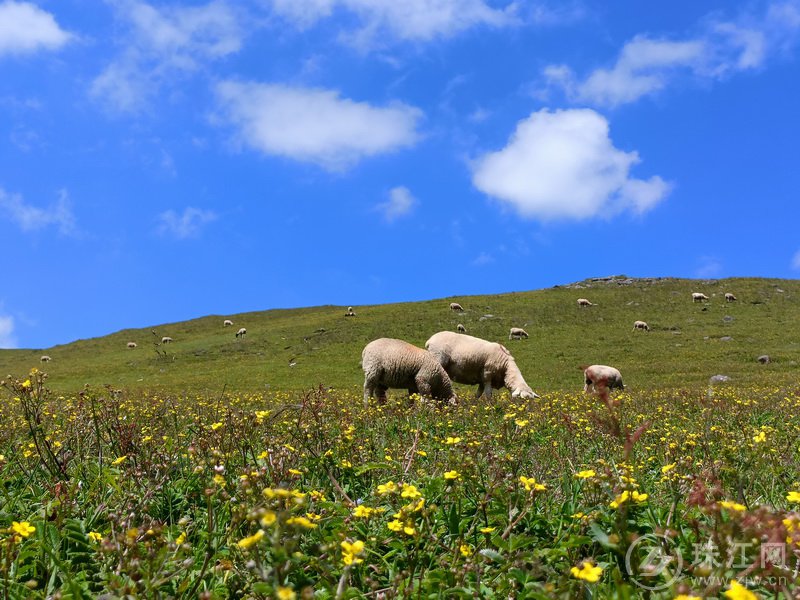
[[94, 536], [738, 592], [387, 488], [452, 475], [638, 497], [363, 512], [668, 468], [732, 505], [301, 522], [587, 572], [530, 484], [22, 529], [250, 541], [410, 491], [521, 422], [219, 479], [452, 440], [760, 437], [351, 551], [180, 539], [269, 518], [285, 593], [793, 497], [466, 550], [687, 597], [587, 474], [120, 460], [295, 472], [346, 464], [395, 525], [216, 426], [487, 529]]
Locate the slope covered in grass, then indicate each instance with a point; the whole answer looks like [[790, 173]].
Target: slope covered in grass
[[688, 342]]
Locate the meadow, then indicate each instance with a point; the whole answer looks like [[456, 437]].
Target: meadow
[[674, 488]]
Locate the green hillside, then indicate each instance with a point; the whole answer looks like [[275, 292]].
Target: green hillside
[[686, 345]]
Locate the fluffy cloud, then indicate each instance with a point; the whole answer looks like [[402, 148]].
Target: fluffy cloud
[[315, 125], [7, 338], [645, 65], [161, 45], [184, 225], [399, 204], [419, 20], [33, 218], [563, 165], [26, 28]]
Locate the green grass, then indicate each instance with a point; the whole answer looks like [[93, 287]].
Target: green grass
[[682, 349]]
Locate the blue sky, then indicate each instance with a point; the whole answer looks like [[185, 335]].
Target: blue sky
[[168, 160]]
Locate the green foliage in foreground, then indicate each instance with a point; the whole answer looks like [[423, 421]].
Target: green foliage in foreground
[[300, 348], [289, 495]]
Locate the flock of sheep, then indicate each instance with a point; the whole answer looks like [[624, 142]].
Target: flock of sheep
[[456, 357]]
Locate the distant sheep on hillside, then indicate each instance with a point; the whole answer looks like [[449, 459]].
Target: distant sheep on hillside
[[390, 363], [699, 297], [517, 333], [241, 333], [730, 297], [461, 329], [131, 344], [456, 307], [45, 358], [350, 312], [472, 361], [227, 323], [584, 302], [166, 340], [641, 325]]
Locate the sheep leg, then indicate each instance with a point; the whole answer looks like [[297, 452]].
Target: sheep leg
[[480, 390], [487, 390], [423, 387], [369, 391], [381, 394]]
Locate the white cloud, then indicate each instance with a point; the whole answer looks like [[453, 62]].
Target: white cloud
[[483, 259], [315, 125], [416, 20], [184, 225], [7, 337], [33, 218], [26, 28], [646, 65], [796, 260], [563, 165], [709, 267], [400, 203], [162, 45]]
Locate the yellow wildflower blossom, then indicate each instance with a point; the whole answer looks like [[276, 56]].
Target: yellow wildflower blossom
[[793, 496], [730, 505], [250, 541], [351, 551], [587, 474], [285, 593], [737, 591], [587, 572], [301, 522], [23, 528], [452, 475]]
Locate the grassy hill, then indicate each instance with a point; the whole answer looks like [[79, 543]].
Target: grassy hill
[[688, 342]]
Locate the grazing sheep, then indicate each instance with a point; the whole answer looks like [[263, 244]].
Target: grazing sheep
[[350, 312], [730, 297], [641, 325], [517, 333], [584, 302], [45, 358], [227, 323], [390, 363], [601, 379], [698, 297], [461, 328], [241, 333], [166, 340], [764, 359], [471, 361], [456, 307], [131, 344]]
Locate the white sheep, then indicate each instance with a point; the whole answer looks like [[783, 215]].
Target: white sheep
[[45, 358], [699, 297], [131, 344], [601, 379], [641, 325], [227, 323], [456, 307], [461, 329], [472, 361], [241, 333], [584, 302], [390, 363], [350, 312], [730, 297], [166, 340], [517, 333]]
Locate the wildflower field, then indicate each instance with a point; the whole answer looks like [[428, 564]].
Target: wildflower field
[[669, 493]]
